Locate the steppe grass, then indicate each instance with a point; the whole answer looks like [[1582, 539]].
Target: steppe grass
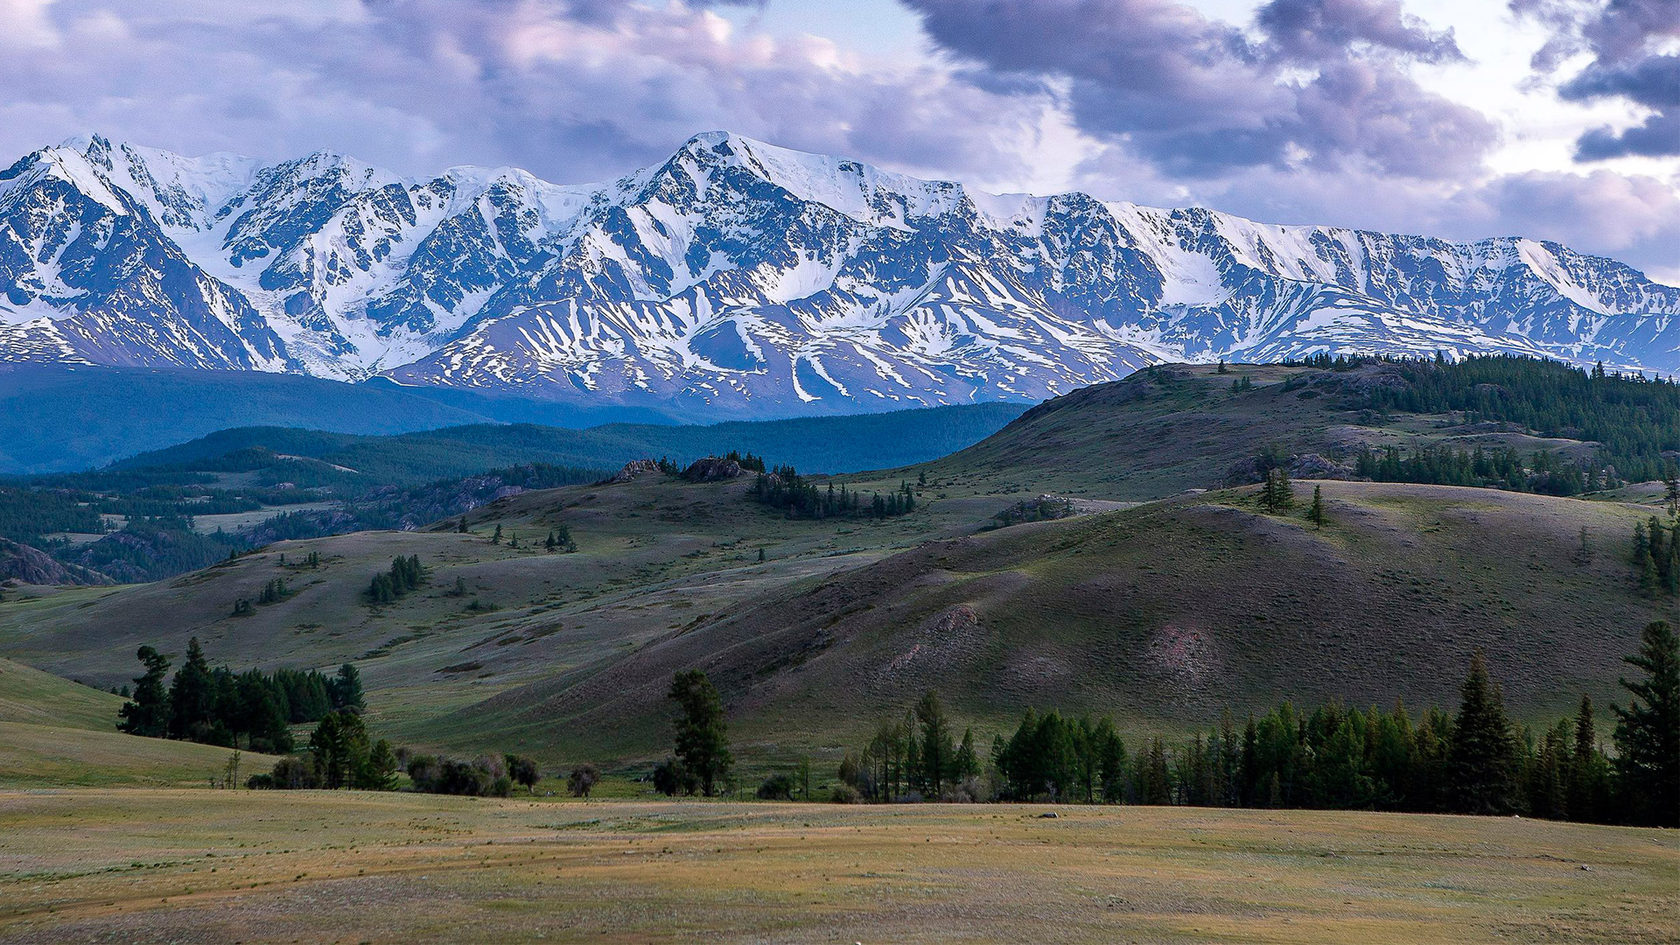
[[174, 865]]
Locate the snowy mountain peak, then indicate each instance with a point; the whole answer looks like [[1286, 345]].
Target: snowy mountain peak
[[739, 277]]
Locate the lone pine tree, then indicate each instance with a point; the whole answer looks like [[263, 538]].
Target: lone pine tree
[[702, 738], [1482, 763]]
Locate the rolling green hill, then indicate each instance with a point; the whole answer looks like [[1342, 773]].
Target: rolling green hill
[[1162, 613], [54, 731]]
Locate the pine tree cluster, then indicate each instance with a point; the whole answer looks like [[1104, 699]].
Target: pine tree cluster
[[560, 539], [1634, 419], [1656, 557], [783, 488], [1277, 495], [915, 757], [405, 575], [216, 706], [1442, 465]]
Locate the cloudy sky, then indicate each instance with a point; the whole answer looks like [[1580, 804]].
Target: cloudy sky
[[1464, 118]]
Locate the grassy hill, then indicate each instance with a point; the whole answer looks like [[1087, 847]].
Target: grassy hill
[[1163, 613], [1177, 427], [30, 696], [54, 731]]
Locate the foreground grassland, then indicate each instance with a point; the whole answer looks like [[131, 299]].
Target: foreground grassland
[[174, 865]]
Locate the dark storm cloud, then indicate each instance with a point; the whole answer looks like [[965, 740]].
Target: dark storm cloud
[[1623, 37], [1323, 84]]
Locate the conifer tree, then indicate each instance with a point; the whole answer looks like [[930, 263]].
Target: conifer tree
[[966, 764], [345, 690], [190, 695], [1644, 566], [1155, 783], [1315, 513], [1482, 762], [1585, 786], [1111, 762], [937, 752], [496, 539], [148, 712], [702, 740], [1648, 730]]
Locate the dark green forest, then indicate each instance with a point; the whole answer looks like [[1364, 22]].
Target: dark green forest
[[1474, 761], [1634, 418]]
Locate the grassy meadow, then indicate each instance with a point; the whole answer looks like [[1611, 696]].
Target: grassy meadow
[[170, 865]]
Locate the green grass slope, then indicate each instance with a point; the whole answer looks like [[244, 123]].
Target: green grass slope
[[1163, 615], [654, 554], [30, 696], [1178, 427], [57, 732]]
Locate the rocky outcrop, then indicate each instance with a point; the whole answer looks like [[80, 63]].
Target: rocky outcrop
[[712, 469], [634, 468], [1042, 509], [29, 565]]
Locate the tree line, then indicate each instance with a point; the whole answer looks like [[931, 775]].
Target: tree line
[[216, 706], [1635, 419], [784, 489], [341, 754], [1656, 557], [1477, 761], [1442, 465]]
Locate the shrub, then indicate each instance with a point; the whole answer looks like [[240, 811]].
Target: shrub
[[582, 779], [777, 787], [845, 794], [969, 790], [295, 772], [670, 777]]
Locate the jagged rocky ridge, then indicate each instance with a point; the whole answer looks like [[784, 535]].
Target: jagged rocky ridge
[[739, 278]]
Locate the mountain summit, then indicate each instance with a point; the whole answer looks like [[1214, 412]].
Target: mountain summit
[[739, 278]]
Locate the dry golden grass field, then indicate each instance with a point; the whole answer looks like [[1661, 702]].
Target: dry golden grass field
[[142, 865]]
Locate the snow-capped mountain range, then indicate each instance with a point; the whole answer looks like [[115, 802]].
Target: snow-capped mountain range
[[739, 278]]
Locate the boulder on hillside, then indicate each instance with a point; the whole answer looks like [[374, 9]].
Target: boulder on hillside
[[712, 469]]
